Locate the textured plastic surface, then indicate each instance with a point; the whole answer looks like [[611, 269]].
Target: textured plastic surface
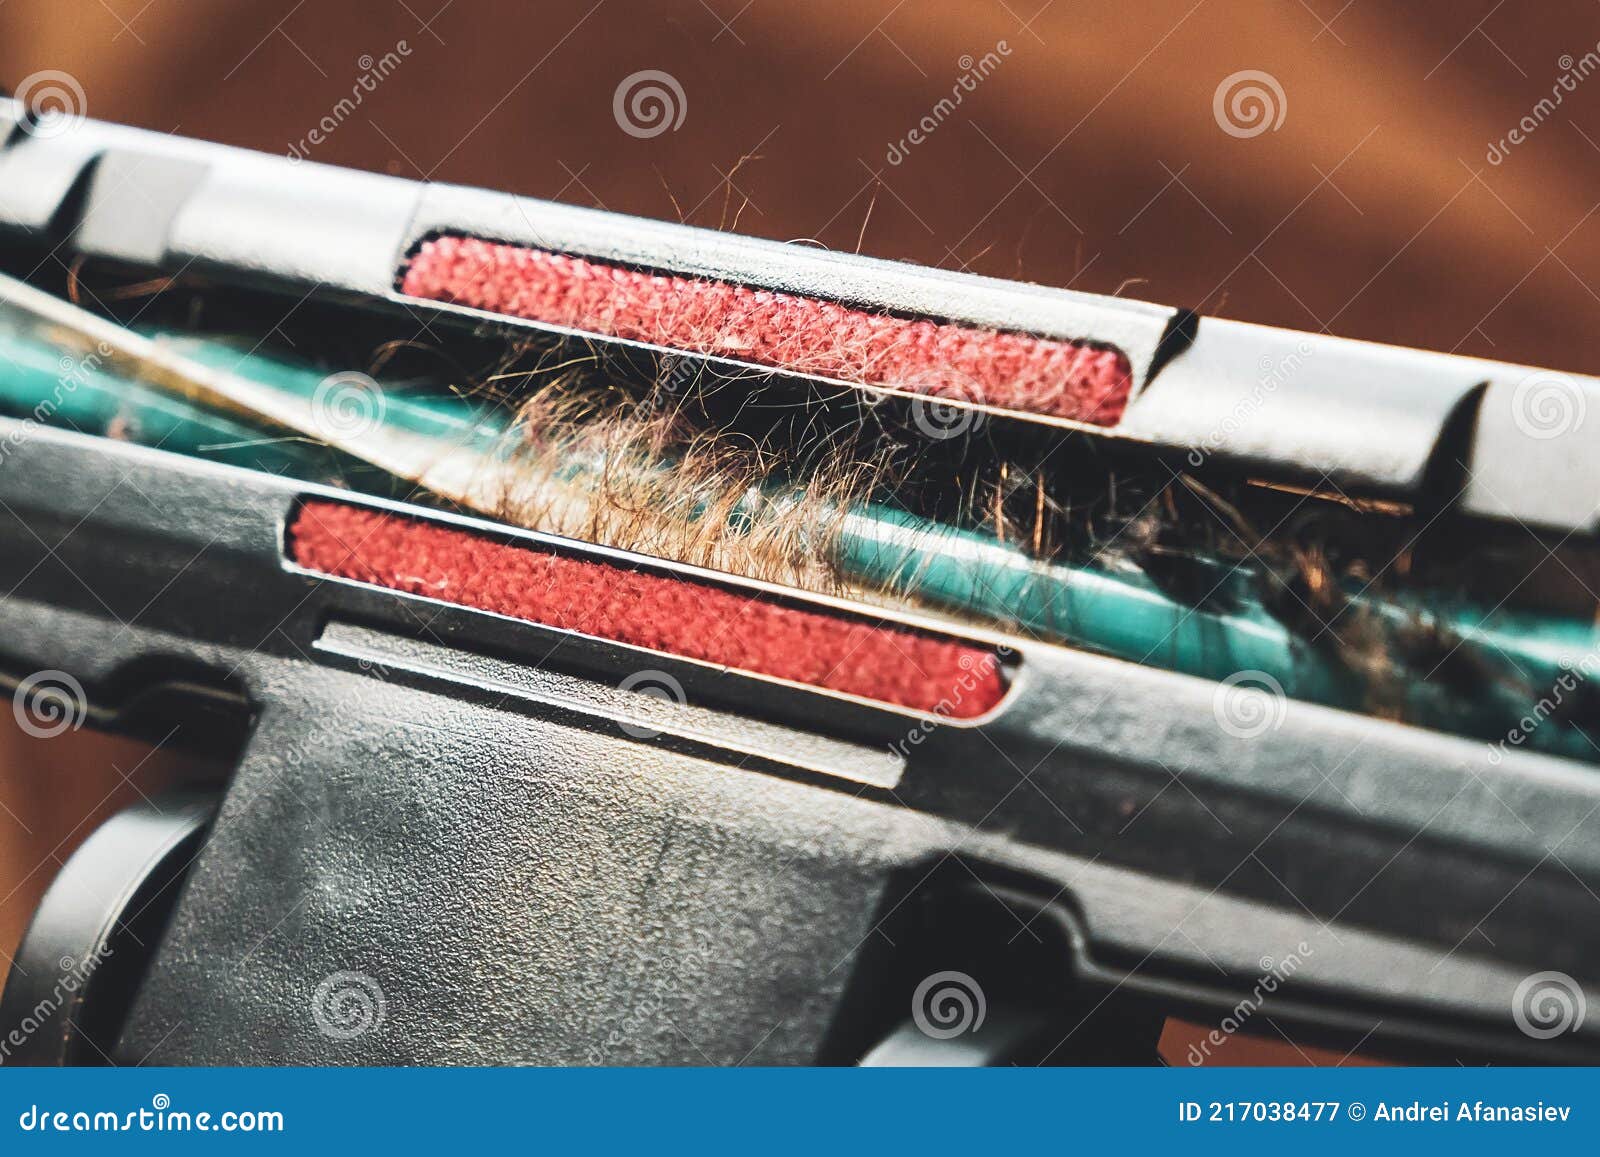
[[527, 880]]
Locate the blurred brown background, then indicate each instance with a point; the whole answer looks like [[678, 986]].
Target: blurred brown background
[[1090, 155]]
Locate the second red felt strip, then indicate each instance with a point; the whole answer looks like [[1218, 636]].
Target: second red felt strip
[[837, 652]]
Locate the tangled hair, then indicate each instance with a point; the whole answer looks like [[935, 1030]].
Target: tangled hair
[[604, 465], [591, 458]]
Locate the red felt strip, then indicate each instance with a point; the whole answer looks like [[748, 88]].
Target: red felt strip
[[1012, 371], [695, 620]]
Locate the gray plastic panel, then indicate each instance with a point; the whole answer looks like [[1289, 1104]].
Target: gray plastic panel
[[310, 225], [1357, 413], [36, 174], [1536, 457], [179, 203], [527, 872], [1311, 407], [135, 228]]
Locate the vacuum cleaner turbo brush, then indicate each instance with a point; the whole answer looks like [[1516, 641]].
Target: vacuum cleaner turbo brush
[[540, 545]]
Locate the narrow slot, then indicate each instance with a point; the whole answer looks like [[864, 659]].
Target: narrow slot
[[747, 631], [1075, 381]]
